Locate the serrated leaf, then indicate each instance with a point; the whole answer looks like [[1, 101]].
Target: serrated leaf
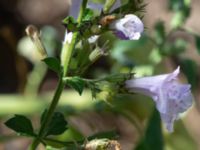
[[21, 125], [76, 83], [57, 125], [197, 40], [153, 139], [53, 64]]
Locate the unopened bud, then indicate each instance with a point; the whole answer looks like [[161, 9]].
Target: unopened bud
[[34, 34], [96, 29], [102, 144], [96, 54]]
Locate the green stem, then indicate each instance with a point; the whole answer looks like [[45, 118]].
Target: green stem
[[74, 38], [34, 79], [49, 115], [60, 86]]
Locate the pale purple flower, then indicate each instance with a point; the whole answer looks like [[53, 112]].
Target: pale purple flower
[[171, 97], [128, 28]]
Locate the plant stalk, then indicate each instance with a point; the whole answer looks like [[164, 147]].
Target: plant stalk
[[74, 38], [60, 85]]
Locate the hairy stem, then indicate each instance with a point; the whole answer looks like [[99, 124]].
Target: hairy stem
[[74, 38], [60, 86], [49, 115]]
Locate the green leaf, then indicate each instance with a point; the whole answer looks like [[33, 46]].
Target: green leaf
[[57, 125], [53, 64], [159, 32], [197, 38], [88, 14], [70, 23], [76, 83], [20, 124], [153, 139], [132, 6], [189, 68]]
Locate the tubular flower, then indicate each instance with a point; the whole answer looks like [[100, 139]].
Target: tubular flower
[[128, 28], [171, 97]]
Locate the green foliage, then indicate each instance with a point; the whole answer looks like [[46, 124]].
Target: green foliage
[[189, 68], [174, 47], [159, 33], [181, 9], [57, 125], [197, 40], [153, 139], [118, 78], [53, 64], [88, 14], [70, 23], [132, 6], [180, 139], [21, 125], [76, 83]]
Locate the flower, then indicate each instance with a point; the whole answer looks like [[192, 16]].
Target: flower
[[128, 28], [171, 97]]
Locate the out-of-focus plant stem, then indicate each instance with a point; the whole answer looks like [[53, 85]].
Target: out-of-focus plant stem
[[34, 79], [60, 86]]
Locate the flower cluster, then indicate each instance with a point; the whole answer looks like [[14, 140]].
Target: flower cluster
[[171, 97]]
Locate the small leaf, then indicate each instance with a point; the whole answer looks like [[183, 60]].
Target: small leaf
[[76, 83], [53, 64], [20, 124], [153, 139], [88, 14], [70, 23], [197, 38], [57, 125]]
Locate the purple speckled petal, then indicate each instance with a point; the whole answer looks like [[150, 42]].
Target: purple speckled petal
[[171, 97]]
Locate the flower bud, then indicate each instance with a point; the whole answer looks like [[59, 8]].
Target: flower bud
[[34, 34], [102, 144], [66, 44], [96, 54]]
